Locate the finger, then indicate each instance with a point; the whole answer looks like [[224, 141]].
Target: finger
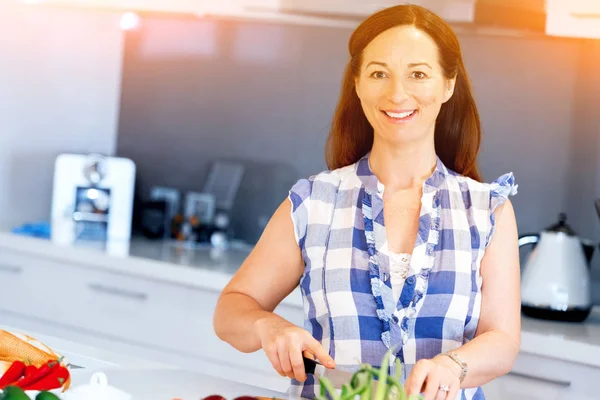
[[432, 386], [284, 359], [273, 356], [453, 393], [415, 381], [442, 395], [297, 363], [315, 347]]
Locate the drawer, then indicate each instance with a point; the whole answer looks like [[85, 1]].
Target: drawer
[[131, 308], [578, 380], [525, 387]]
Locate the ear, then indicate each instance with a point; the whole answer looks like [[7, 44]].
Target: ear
[[450, 84]]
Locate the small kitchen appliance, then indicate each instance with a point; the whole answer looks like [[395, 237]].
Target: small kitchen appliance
[[556, 279], [92, 198]]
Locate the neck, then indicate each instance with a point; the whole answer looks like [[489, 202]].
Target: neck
[[402, 167]]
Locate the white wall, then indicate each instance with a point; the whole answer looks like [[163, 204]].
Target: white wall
[[60, 79]]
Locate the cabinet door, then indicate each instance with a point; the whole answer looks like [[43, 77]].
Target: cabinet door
[[33, 286], [123, 307], [523, 386]]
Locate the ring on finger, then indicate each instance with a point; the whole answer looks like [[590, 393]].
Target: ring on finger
[[444, 388]]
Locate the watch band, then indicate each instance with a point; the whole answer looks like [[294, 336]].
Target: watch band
[[461, 362]]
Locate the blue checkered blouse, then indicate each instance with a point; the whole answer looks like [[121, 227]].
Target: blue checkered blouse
[[348, 301]]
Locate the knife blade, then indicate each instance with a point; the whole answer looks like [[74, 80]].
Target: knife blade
[[336, 376]]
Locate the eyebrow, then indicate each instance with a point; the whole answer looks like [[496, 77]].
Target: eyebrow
[[412, 65], [419, 64]]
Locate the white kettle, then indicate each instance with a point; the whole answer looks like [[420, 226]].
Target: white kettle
[[556, 279]]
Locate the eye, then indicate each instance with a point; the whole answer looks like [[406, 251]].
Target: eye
[[378, 75], [419, 75]]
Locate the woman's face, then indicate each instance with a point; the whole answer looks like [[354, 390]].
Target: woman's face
[[401, 85]]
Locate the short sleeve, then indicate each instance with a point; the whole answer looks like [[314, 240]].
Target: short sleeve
[[299, 196], [500, 190]]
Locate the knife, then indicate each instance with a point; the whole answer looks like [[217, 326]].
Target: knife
[[336, 376]]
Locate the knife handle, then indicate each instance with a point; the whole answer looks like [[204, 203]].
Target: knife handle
[[310, 366]]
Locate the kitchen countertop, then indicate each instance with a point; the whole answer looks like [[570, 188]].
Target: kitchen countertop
[[165, 384], [209, 269], [88, 357], [143, 379]]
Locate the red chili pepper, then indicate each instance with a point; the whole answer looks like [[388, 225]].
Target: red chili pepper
[[12, 374], [54, 380], [30, 370], [42, 372]]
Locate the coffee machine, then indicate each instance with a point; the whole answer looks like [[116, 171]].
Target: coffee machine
[[92, 198]]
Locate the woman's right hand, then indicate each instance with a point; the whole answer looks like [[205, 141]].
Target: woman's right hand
[[285, 343]]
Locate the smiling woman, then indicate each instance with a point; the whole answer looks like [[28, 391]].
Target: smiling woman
[[399, 247]]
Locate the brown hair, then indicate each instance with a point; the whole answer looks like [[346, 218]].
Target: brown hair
[[457, 129]]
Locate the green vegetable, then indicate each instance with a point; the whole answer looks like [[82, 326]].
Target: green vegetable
[[361, 384], [13, 393], [46, 396]]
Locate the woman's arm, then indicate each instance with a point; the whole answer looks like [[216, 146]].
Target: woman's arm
[[270, 273], [244, 315], [498, 338]]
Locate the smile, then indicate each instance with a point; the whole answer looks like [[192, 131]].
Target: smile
[[401, 115]]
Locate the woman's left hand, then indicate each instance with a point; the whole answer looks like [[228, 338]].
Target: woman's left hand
[[435, 378]]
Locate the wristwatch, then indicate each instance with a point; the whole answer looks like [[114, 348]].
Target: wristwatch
[[461, 363]]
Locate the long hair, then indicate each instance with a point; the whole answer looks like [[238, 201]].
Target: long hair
[[457, 128]]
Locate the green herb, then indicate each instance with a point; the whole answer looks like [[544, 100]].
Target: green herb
[[361, 384]]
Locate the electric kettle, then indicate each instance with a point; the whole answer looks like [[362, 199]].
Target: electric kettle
[[556, 279]]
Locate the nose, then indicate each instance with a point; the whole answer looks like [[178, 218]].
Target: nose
[[397, 92]]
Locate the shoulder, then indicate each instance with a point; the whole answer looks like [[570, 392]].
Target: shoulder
[[500, 189], [322, 185]]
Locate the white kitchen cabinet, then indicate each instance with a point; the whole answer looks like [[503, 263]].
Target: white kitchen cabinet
[[121, 306], [573, 18]]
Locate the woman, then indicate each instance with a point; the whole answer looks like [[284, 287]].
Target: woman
[[398, 245]]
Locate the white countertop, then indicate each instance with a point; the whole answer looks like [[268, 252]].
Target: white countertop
[[88, 357], [208, 269], [143, 379], [165, 384]]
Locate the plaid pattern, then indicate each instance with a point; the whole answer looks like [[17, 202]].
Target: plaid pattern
[[346, 287]]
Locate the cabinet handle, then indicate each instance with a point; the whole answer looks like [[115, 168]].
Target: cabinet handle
[[541, 379], [118, 292], [11, 269]]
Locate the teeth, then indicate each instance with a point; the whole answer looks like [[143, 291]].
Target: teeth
[[400, 115]]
